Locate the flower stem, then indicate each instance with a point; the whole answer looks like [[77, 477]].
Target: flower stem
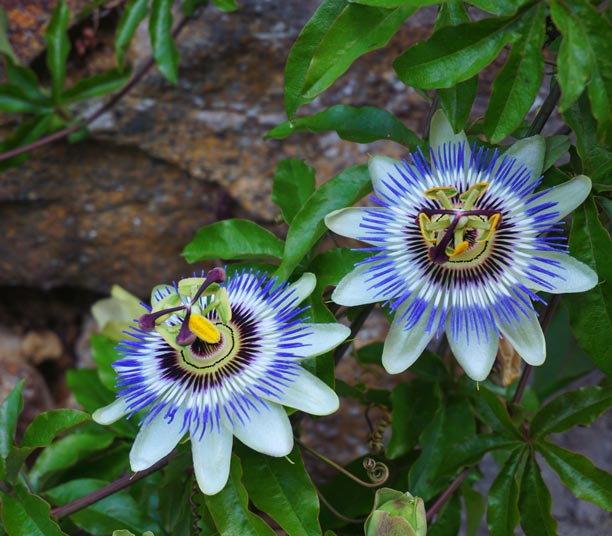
[[113, 487], [441, 501], [546, 110], [356, 326], [100, 111]]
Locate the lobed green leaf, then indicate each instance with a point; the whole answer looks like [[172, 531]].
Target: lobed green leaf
[[14, 100], [117, 511], [26, 82], [591, 312], [229, 508], [58, 47], [359, 124], [495, 414], [294, 183], [133, 14], [474, 509], [502, 507], [518, 83], [455, 53], [105, 353], [282, 488], [579, 407], [336, 35], [233, 239], [160, 29], [25, 514], [535, 502], [584, 480], [97, 85], [308, 225], [48, 425], [9, 413]]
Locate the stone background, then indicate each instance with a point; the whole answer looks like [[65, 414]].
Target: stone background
[[120, 206]]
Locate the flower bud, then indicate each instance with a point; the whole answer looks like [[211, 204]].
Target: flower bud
[[396, 514]]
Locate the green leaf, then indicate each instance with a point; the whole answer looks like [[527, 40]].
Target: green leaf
[[99, 84], [229, 507], [454, 53], [448, 521], [456, 101], [46, 426], [25, 80], [579, 407], [67, 451], [25, 133], [518, 83], [5, 44], [591, 312], [414, 405], [174, 492], [556, 147], [294, 183], [9, 413], [398, 3], [133, 14], [105, 354], [498, 7], [58, 47], [28, 515], [117, 511], [363, 124], [494, 413], [282, 489], [13, 99], [584, 480], [226, 5], [189, 7], [233, 239], [160, 29], [308, 225], [586, 32], [336, 35], [535, 503], [596, 159], [455, 423], [474, 509], [502, 508]]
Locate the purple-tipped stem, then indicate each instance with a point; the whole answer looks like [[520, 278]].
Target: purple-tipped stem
[[147, 322], [185, 336], [216, 275]]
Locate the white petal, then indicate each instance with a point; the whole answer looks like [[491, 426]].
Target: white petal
[[527, 338], [441, 132], [403, 347], [111, 413], [530, 152], [268, 431], [476, 352], [211, 459], [155, 440], [302, 288], [356, 288], [381, 168], [572, 275], [347, 221], [321, 338], [568, 195], [308, 393]]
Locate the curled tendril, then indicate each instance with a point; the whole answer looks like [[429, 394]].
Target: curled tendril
[[377, 472]]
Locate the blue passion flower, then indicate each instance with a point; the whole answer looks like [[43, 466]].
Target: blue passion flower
[[460, 243], [214, 359]]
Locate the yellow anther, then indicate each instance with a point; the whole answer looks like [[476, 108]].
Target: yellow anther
[[463, 246], [472, 193], [442, 194], [204, 329], [492, 223], [424, 223]]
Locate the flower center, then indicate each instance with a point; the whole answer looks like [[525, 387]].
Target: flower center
[[457, 233], [202, 356]]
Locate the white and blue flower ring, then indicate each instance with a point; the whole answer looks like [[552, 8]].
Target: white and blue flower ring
[[233, 386], [460, 244]]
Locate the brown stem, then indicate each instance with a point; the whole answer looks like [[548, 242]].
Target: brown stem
[[95, 496], [546, 110], [356, 325], [435, 507], [100, 111]]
